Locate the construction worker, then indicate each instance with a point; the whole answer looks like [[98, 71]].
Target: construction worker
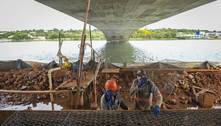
[[144, 91], [111, 99]]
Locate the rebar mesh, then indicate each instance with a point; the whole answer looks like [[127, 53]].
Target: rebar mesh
[[115, 118]]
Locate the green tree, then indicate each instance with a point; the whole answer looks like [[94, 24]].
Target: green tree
[[21, 36]]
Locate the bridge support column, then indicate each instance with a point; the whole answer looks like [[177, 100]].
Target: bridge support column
[[117, 36], [117, 39]]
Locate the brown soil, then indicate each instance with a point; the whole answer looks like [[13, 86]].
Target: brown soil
[[176, 86]]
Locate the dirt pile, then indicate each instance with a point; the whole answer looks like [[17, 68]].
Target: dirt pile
[[25, 79], [184, 89], [29, 79], [183, 84], [176, 86], [180, 89]]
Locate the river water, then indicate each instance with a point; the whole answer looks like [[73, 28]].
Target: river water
[[130, 52]]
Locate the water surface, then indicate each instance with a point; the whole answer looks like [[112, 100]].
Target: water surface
[[130, 52]]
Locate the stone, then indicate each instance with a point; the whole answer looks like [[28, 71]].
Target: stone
[[169, 88], [185, 73], [184, 102], [172, 101], [182, 98], [190, 76], [23, 87], [36, 87]]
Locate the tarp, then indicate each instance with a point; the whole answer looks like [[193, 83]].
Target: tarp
[[14, 64], [51, 65], [177, 65]]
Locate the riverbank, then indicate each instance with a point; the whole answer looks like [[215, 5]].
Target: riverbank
[[140, 34], [76, 40]]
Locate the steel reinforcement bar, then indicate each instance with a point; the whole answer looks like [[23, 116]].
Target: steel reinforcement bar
[[115, 118]]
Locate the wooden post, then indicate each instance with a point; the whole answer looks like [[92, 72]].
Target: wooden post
[[50, 88], [92, 51], [81, 56], [51, 85], [95, 83], [94, 105], [59, 49]]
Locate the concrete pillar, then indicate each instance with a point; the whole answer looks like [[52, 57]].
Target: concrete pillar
[[117, 35]]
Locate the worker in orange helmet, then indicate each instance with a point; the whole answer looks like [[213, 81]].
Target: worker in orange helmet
[[111, 99]]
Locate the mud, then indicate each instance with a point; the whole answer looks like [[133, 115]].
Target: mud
[[175, 85]]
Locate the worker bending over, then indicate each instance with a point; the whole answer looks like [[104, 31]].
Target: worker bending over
[[144, 92]]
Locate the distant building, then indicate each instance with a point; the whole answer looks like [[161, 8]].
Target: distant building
[[196, 35], [10, 37], [213, 35], [200, 35], [33, 32], [41, 38], [30, 36], [2, 32], [182, 35], [218, 34]]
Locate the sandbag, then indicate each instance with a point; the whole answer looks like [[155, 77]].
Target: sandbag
[[14, 64]]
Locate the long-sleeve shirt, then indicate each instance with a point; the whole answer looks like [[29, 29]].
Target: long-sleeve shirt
[[145, 94], [118, 102]]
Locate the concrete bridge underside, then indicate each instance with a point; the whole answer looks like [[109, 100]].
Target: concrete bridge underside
[[118, 19]]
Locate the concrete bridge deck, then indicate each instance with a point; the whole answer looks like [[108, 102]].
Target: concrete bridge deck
[[113, 118], [118, 19]]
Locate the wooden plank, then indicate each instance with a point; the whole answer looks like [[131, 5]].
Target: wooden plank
[[111, 70], [88, 77], [33, 92], [169, 69]]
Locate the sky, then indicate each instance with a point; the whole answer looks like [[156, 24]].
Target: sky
[[29, 14]]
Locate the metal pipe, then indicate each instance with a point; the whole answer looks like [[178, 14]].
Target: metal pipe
[[51, 85]]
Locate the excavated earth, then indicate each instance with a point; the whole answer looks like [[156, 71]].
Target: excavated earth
[[176, 86]]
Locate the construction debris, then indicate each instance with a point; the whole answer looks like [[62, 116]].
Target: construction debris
[[177, 87], [24, 79], [180, 89], [206, 100]]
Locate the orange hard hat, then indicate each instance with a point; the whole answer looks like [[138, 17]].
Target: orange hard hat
[[111, 85]]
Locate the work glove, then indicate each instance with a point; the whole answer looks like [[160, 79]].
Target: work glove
[[156, 110]]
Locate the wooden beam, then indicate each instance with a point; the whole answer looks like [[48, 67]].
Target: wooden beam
[[33, 92]]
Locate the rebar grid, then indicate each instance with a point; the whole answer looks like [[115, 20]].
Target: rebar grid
[[115, 118]]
